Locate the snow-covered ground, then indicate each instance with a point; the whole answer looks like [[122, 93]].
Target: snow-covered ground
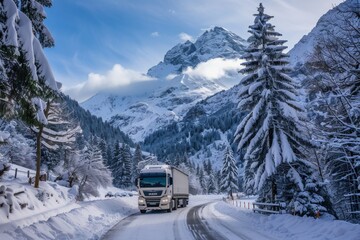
[[240, 223], [59, 216]]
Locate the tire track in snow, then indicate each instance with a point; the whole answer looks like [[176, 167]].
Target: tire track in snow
[[224, 220], [199, 227], [176, 226], [111, 234]]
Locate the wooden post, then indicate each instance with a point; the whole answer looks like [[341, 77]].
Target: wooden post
[[15, 172]]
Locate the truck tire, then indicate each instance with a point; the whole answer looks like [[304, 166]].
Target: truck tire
[[170, 207], [143, 211], [176, 202]]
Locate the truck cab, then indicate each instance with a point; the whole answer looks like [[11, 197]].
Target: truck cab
[[156, 188]]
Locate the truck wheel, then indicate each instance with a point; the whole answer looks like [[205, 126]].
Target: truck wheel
[[185, 202], [176, 204], [170, 207], [143, 211]]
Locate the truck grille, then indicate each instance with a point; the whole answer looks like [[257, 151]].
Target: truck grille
[[153, 203], [152, 193]]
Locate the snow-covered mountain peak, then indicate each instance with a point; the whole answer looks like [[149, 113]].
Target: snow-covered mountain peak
[[214, 43], [189, 73]]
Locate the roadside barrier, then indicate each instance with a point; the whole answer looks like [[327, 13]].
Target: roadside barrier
[[239, 203], [265, 208], [269, 208]]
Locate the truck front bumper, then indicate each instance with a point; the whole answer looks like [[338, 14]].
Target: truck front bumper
[[154, 203]]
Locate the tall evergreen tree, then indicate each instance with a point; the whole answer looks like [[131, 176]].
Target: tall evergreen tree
[[136, 159], [27, 75], [229, 172], [271, 132], [127, 165], [117, 166]]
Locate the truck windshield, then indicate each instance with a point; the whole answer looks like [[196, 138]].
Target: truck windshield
[[152, 180]]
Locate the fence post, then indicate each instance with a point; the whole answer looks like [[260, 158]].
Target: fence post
[[248, 205], [28, 173], [15, 172]]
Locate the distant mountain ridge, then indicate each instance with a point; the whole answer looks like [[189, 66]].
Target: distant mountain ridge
[[141, 108]]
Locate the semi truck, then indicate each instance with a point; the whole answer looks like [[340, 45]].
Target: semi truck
[[162, 187]]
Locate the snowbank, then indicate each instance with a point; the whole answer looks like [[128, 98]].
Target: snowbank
[[258, 226], [90, 220], [51, 211]]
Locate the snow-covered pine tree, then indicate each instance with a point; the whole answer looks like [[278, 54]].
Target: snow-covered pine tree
[[117, 165], [126, 159], [208, 180], [26, 70], [34, 9], [229, 172], [18, 149], [334, 103], [271, 132], [59, 135], [136, 159], [92, 173], [22, 59], [103, 148]]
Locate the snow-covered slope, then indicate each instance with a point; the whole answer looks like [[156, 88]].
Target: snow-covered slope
[[205, 131], [327, 23], [192, 73]]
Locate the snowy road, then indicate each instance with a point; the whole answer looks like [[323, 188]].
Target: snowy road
[[152, 225], [157, 225], [199, 221], [198, 225]]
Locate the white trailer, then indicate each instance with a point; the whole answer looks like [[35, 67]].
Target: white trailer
[[162, 187]]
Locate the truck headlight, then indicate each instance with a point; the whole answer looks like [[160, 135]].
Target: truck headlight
[[164, 200], [141, 201]]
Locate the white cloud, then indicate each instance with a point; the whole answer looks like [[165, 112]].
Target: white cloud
[[215, 68], [155, 34], [116, 77], [185, 37]]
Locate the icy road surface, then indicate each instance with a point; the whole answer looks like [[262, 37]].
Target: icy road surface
[[210, 218], [199, 220], [157, 225]]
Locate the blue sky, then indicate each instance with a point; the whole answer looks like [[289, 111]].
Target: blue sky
[[102, 39]]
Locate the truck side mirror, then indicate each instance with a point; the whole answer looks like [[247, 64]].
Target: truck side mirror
[[136, 181], [170, 180]]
